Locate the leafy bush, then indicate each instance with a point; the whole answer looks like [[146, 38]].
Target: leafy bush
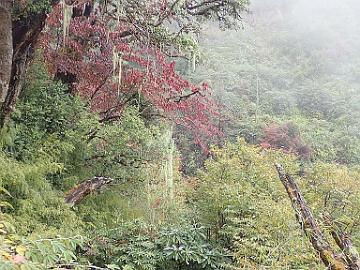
[[137, 245]]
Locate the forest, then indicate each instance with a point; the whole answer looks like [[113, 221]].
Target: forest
[[179, 134]]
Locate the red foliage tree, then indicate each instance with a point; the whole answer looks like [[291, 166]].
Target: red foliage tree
[[285, 137], [108, 66]]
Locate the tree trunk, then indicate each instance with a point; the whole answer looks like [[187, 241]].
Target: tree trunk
[[309, 225], [6, 47], [24, 33], [79, 192]]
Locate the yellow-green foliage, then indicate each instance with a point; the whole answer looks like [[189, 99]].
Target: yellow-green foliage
[[335, 189], [36, 206], [241, 198], [31, 207]]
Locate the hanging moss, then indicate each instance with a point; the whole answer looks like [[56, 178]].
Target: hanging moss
[[193, 61], [117, 68], [67, 14]]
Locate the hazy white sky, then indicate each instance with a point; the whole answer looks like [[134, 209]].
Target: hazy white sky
[[332, 24]]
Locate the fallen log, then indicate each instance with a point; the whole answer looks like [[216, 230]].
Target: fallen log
[[309, 224], [80, 191]]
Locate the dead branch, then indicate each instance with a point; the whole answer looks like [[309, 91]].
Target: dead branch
[[309, 225], [80, 191], [344, 242]]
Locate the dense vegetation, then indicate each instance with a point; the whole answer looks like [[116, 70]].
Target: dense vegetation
[[145, 135]]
